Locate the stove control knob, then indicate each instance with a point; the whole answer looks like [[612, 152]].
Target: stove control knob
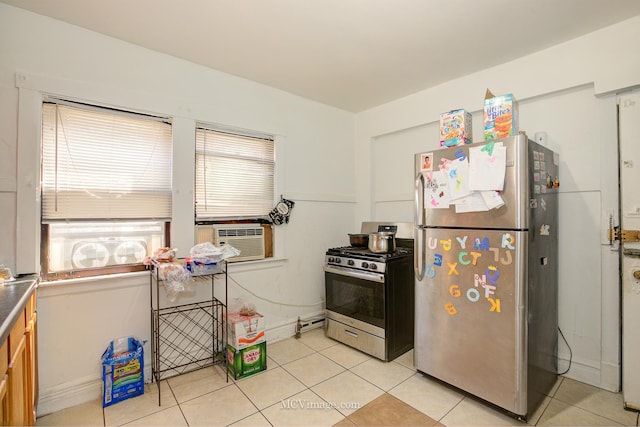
[[374, 266], [365, 265], [330, 259], [337, 260], [350, 262]]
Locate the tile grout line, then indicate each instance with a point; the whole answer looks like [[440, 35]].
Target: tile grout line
[[308, 388], [345, 369], [178, 403], [555, 396], [544, 410], [252, 402]]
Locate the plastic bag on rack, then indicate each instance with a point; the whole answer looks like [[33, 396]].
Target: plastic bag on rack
[[161, 255], [206, 258], [175, 277], [207, 251], [242, 307]]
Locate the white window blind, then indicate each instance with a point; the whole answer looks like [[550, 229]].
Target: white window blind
[[104, 164], [234, 174]]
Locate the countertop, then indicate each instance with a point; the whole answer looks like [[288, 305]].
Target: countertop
[[13, 298]]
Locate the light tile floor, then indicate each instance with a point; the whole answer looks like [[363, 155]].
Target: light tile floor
[[316, 381]]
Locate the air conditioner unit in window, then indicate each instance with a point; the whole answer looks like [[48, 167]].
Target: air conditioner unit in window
[[247, 238]]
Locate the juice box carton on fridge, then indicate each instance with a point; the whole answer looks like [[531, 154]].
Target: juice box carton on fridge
[[500, 116], [455, 128]]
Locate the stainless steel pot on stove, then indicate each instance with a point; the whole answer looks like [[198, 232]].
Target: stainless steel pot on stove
[[359, 240], [382, 242]]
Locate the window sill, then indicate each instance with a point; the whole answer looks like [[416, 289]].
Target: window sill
[[141, 277], [106, 281]]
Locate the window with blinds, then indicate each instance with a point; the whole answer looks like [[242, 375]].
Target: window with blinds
[[234, 174], [106, 188]]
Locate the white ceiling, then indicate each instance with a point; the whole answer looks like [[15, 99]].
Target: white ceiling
[[352, 54]]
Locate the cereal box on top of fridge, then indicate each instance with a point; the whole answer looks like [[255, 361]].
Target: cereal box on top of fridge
[[500, 116], [455, 128]]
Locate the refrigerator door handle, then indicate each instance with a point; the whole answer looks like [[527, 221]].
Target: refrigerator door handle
[[418, 254], [419, 201], [419, 220]]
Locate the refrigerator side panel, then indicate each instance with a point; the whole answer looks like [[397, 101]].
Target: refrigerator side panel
[[542, 274], [512, 215], [471, 316]]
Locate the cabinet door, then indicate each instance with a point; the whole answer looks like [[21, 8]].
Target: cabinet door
[[4, 358], [33, 357], [4, 401], [32, 369], [4, 396], [18, 385]]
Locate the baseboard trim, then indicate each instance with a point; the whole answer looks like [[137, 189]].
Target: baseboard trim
[[610, 376], [287, 329], [53, 399], [597, 374], [82, 390]]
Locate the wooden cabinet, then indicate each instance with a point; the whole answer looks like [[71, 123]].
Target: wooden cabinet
[[4, 401], [31, 334], [18, 370], [17, 385], [4, 381]]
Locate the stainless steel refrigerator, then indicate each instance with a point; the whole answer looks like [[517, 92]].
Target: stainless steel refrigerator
[[486, 266]]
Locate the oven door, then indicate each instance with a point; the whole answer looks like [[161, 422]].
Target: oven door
[[355, 294]]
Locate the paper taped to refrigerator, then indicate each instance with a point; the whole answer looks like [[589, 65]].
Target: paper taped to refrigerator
[[458, 175], [474, 202], [487, 167], [493, 199], [471, 183], [436, 190]]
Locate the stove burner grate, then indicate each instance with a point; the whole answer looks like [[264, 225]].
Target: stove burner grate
[[365, 253]]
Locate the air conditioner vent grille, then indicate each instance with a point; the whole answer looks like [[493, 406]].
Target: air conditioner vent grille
[[231, 232], [248, 238]]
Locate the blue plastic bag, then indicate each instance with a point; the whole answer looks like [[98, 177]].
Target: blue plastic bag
[[122, 370]]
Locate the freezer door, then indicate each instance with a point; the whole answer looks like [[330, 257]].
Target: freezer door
[[512, 215], [471, 314]]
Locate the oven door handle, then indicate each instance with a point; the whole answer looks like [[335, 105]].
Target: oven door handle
[[372, 277]]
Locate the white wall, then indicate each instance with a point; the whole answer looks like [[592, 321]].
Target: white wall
[[569, 91], [78, 318]]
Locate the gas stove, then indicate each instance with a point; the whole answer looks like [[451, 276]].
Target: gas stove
[[365, 253], [370, 295], [362, 258]]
